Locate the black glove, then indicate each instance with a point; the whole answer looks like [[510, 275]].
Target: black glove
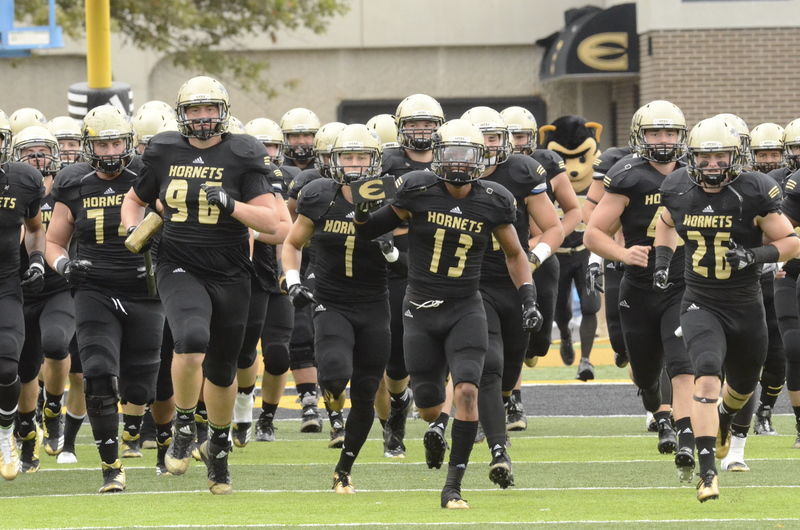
[[75, 271], [661, 280], [740, 257], [362, 211], [531, 316], [33, 278], [218, 197], [385, 242], [301, 296], [595, 278]]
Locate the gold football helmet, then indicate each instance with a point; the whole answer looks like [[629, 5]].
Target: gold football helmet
[[48, 163], [107, 122], [763, 138], [791, 144], [385, 126], [521, 121], [490, 122], [299, 121], [714, 135], [658, 114], [417, 108], [26, 117], [68, 132], [323, 143], [5, 137], [268, 133], [352, 141], [458, 152], [202, 90]]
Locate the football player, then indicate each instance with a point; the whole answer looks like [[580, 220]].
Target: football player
[[649, 316], [785, 286], [119, 323], [299, 128], [723, 215], [350, 298], [525, 179], [21, 192], [212, 186], [522, 128], [452, 216], [416, 117], [49, 320]]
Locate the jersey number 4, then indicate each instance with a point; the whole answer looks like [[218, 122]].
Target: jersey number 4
[[464, 244], [176, 195]]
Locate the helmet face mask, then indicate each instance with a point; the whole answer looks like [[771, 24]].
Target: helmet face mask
[[299, 125], [196, 99], [663, 148], [458, 152], [714, 156], [417, 117], [355, 154], [70, 150], [37, 147], [766, 147], [522, 128], [107, 139]]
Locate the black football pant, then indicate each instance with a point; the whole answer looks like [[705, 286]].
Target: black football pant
[[49, 327], [546, 280], [448, 338]]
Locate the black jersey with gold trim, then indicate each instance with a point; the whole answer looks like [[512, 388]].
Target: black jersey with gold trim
[[21, 191], [348, 268], [447, 236], [522, 176], [709, 223], [640, 182], [95, 205]]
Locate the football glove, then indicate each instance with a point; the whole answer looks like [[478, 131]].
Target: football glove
[[595, 278], [33, 278], [218, 197], [661, 280], [301, 296], [531, 316], [75, 271]]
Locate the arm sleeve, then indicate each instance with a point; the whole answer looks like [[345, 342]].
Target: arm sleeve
[[382, 220]]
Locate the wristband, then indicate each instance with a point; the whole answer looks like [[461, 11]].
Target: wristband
[[60, 264], [766, 254], [663, 257], [36, 258], [527, 293], [292, 277], [542, 251]]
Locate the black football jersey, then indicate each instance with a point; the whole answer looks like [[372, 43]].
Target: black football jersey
[[302, 178], [522, 176], [640, 182], [553, 166], [196, 235], [791, 196], [396, 163], [781, 175], [447, 237], [95, 206], [21, 191], [709, 223], [608, 159], [53, 282], [347, 268], [289, 174], [265, 259]]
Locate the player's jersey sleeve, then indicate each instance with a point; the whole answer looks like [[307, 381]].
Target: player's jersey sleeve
[[315, 198], [301, 180], [623, 177], [791, 199], [254, 180], [501, 205], [410, 185]]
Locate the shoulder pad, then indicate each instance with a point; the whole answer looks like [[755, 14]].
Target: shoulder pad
[[72, 175], [758, 184], [26, 174], [623, 174], [677, 182], [166, 138], [315, 198], [502, 204], [415, 182], [302, 178], [393, 159], [792, 186], [246, 146]]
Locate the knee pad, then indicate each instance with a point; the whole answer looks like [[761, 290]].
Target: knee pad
[[102, 395], [219, 371], [9, 393], [55, 343], [195, 337], [276, 358], [138, 393], [8, 370], [772, 382], [246, 359], [333, 387], [363, 387], [301, 357], [427, 394], [707, 364]]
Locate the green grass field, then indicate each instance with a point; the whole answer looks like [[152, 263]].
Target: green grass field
[[569, 472]]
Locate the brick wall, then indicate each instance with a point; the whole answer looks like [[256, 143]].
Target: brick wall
[[750, 72]]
